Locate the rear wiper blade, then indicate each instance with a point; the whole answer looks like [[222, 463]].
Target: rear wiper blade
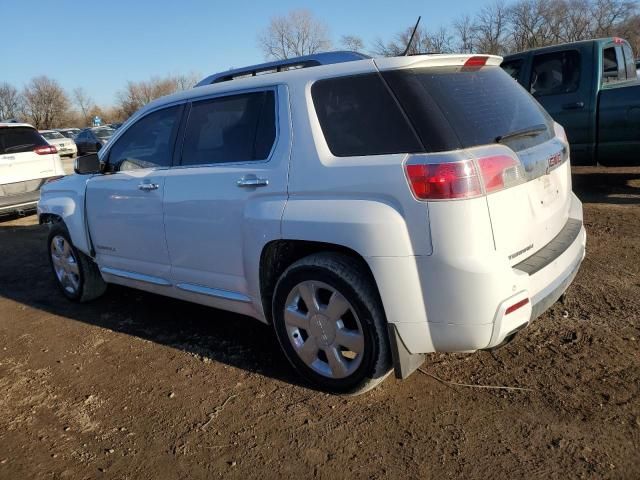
[[18, 147], [525, 132]]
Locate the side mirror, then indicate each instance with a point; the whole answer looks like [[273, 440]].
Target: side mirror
[[87, 164]]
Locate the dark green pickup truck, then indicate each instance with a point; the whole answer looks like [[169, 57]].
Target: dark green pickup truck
[[591, 88]]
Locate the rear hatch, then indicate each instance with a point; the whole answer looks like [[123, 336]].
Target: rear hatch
[[481, 113], [25, 160]]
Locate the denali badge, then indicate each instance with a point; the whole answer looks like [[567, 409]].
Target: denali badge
[[520, 252]]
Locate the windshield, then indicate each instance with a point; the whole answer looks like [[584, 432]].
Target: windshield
[[458, 107], [51, 135], [104, 133]]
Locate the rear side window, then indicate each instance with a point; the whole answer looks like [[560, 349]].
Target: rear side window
[[235, 128], [458, 107], [554, 73], [19, 140], [148, 142], [513, 68], [359, 116]]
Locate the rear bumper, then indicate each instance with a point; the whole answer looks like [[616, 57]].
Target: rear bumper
[[461, 304]]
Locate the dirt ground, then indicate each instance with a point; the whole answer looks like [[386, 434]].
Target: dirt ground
[[139, 386]]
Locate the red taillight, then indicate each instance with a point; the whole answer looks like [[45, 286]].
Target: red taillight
[[440, 181], [477, 61], [45, 150], [516, 306], [462, 179], [494, 169]]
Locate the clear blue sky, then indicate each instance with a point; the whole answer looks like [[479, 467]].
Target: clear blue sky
[[99, 45]]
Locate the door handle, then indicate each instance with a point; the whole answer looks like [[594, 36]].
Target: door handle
[[252, 181], [147, 187], [573, 106]]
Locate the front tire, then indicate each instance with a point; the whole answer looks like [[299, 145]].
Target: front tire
[[329, 320], [77, 276]]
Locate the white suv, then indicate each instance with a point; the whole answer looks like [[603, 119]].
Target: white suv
[[27, 161], [371, 210]]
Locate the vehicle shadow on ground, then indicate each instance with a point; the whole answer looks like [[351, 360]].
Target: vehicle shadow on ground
[[206, 333], [599, 186]]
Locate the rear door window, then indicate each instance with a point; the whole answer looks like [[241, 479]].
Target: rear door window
[[555, 73], [234, 128], [19, 140], [359, 116], [461, 107]]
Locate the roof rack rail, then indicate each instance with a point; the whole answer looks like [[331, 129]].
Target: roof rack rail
[[306, 61]]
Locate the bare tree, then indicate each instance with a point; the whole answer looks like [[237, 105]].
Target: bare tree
[[421, 43], [352, 42], [45, 102], [84, 103], [440, 41], [295, 34], [9, 101], [464, 32], [137, 94], [491, 28]]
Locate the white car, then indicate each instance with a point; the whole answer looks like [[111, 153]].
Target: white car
[[371, 210], [66, 146], [27, 162]]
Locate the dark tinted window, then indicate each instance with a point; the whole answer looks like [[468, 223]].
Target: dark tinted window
[[358, 116], [236, 128], [19, 140], [557, 72], [148, 142], [513, 68], [457, 107]]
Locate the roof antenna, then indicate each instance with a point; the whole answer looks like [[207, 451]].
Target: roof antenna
[[406, 50]]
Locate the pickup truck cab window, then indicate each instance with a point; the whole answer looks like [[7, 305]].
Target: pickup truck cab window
[[613, 65], [235, 128], [555, 73], [513, 68], [147, 143]]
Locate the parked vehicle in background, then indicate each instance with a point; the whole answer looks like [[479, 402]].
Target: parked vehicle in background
[[115, 126], [65, 146], [372, 211], [27, 161], [69, 132], [591, 88], [93, 139]]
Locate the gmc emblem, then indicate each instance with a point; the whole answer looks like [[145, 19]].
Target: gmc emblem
[[554, 161]]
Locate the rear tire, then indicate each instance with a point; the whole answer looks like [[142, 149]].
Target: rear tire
[[329, 320], [76, 274]]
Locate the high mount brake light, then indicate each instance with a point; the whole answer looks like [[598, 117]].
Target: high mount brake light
[[45, 150], [462, 179], [476, 61]]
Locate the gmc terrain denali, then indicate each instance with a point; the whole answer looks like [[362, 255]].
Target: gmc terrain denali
[[371, 210]]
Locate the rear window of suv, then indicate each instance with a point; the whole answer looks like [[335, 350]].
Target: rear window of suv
[[359, 116], [461, 107], [19, 140]]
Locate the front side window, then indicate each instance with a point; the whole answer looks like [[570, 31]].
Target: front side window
[[234, 128], [148, 142], [359, 116], [554, 73]]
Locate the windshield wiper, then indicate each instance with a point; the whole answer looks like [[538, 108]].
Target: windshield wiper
[[18, 147], [525, 132]]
